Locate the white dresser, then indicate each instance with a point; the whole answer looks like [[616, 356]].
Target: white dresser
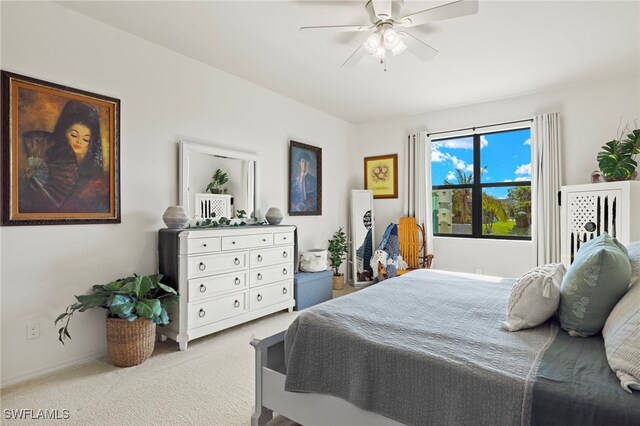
[[225, 276]]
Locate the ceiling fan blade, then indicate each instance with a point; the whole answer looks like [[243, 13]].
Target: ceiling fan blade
[[382, 9], [355, 57], [338, 28], [418, 47], [440, 13]]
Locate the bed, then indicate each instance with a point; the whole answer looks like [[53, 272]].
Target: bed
[[429, 348]]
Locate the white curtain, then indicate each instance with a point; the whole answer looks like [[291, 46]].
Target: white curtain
[[417, 196], [546, 181]]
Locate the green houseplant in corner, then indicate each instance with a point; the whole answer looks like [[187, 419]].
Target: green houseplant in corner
[[617, 158], [134, 306], [338, 248]]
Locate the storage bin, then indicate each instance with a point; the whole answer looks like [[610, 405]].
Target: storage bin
[[311, 288]]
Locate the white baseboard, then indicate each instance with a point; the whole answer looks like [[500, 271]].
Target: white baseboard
[[48, 369]]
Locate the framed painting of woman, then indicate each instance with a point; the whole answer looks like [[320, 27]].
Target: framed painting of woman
[[60, 154], [305, 180]]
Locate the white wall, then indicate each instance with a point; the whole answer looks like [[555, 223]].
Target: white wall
[[590, 117], [165, 97]]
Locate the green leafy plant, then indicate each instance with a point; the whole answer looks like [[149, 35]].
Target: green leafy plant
[[617, 158], [218, 179], [241, 214], [128, 298], [338, 248]]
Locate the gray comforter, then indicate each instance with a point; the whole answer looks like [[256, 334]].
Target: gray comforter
[[424, 348]]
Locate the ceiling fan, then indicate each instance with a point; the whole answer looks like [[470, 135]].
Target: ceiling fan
[[384, 16]]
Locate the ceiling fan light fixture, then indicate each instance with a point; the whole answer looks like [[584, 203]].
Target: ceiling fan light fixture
[[400, 47], [372, 44], [391, 38]]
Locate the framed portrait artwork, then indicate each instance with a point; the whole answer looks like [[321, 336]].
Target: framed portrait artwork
[[60, 154], [381, 175], [305, 180]]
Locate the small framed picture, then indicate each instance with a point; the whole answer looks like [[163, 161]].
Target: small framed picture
[[381, 175], [60, 150], [305, 180]]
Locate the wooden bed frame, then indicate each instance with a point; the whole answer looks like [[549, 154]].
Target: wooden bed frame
[[305, 408]]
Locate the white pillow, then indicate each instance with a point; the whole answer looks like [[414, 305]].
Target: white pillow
[[621, 335], [535, 297], [634, 257]]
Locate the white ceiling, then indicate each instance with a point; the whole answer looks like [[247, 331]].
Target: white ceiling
[[509, 48]]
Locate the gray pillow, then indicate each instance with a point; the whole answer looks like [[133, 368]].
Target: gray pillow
[[634, 257], [594, 283], [621, 335]]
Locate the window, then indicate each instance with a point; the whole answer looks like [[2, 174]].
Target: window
[[482, 185]]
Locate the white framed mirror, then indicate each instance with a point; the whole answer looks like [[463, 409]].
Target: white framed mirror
[[362, 235], [198, 162]]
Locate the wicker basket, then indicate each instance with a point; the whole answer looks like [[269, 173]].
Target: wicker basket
[[130, 343]]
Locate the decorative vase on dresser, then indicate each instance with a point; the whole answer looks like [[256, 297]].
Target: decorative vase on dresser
[[225, 277]]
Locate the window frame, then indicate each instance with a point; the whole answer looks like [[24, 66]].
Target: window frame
[[477, 188]]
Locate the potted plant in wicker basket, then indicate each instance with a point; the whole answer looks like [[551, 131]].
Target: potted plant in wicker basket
[[338, 247], [134, 306]]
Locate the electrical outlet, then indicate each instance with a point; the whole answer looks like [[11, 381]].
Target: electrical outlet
[[33, 330]]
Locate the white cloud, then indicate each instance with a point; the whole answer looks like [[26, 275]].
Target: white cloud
[[524, 169], [527, 142], [460, 143], [483, 141], [437, 156], [507, 180], [522, 179], [450, 176]]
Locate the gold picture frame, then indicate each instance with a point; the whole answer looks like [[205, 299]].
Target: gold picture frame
[[381, 175], [60, 154]]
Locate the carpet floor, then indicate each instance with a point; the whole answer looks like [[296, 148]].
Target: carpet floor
[[211, 383]]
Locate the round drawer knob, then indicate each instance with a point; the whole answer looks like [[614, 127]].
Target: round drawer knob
[[202, 266], [237, 281], [233, 242], [259, 297], [259, 258], [264, 240], [259, 276], [284, 238], [201, 313], [285, 254], [236, 304], [203, 288], [284, 271], [284, 290], [236, 261], [204, 245]]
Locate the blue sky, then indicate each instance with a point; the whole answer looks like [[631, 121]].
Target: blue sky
[[506, 156]]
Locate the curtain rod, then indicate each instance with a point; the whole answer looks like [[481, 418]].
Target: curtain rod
[[480, 127]]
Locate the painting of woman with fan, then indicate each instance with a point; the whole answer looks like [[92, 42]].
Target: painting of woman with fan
[[64, 168], [63, 151]]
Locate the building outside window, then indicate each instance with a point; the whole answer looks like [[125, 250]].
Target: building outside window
[[482, 185]]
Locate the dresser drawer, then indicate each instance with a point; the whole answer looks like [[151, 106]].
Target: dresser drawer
[[202, 288], [203, 245], [270, 294], [270, 256], [246, 241], [217, 309], [283, 238], [270, 274], [201, 266]]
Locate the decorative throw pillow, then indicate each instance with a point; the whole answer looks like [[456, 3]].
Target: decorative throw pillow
[[634, 256], [621, 335], [535, 297], [597, 279]]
